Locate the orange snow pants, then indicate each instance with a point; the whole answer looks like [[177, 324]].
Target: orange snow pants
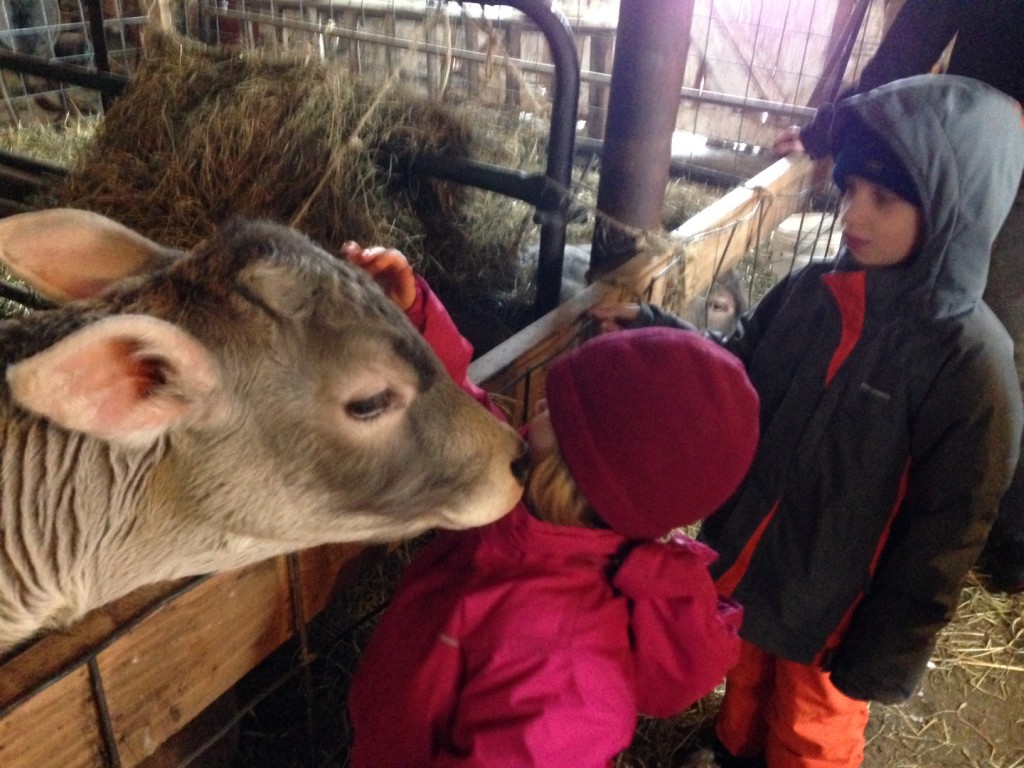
[[790, 713]]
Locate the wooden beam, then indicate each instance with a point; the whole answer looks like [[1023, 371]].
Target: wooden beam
[[718, 237], [715, 238], [132, 674]]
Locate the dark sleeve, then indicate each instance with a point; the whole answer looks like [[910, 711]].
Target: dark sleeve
[[918, 36], [963, 451], [814, 135]]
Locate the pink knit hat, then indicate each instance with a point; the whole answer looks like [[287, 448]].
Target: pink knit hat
[[658, 426]]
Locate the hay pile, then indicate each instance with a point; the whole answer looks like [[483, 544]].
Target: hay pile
[[59, 144], [203, 134]]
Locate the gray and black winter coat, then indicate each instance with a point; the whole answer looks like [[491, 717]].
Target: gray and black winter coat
[[891, 412]]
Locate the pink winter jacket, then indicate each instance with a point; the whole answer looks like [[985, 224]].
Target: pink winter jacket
[[528, 644]]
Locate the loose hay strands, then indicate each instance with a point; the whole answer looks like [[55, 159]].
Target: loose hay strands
[[203, 134], [59, 144], [969, 709]]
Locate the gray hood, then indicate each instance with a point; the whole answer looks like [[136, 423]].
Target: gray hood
[[962, 142]]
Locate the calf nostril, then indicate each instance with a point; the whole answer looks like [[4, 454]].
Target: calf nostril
[[521, 467]]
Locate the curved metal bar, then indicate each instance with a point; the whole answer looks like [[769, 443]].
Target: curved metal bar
[[553, 218]]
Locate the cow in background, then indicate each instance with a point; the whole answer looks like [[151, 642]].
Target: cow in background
[[29, 26], [720, 308]]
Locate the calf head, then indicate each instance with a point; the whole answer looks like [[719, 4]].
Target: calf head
[[289, 401]]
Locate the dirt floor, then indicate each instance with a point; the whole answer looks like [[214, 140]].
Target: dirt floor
[[969, 713]]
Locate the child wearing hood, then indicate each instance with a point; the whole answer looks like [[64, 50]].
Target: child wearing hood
[[890, 425], [534, 642]]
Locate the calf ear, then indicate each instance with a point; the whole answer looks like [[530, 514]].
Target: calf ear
[[125, 379], [66, 254]]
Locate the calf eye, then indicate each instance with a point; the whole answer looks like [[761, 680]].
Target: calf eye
[[371, 407]]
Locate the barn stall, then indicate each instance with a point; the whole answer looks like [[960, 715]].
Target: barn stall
[[253, 663]]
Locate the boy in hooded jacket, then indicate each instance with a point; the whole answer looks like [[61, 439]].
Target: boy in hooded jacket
[[989, 46], [890, 425], [535, 641]]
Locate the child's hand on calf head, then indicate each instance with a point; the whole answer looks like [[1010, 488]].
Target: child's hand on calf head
[[389, 267]]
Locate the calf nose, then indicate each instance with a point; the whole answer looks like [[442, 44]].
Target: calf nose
[[521, 467]]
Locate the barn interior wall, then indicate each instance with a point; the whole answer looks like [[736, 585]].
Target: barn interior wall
[[762, 50]]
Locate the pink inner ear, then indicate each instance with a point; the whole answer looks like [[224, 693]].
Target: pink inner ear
[[149, 374], [141, 376], [111, 366], [69, 254], [108, 379], [119, 382]]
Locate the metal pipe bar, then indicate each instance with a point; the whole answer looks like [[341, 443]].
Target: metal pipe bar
[[561, 139], [72, 74], [101, 54], [106, 725], [31, 165], [650, 55], [537, 189]]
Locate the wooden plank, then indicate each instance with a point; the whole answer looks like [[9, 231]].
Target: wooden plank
[[160, 12], [56, 727], [37, 664], [716, 237], [169, 668]]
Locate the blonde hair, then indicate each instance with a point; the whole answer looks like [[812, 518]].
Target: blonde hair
[[552, 495]]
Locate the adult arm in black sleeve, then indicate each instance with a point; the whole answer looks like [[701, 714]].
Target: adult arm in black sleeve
[[915, 41]]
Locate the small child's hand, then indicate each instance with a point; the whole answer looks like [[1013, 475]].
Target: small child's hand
[[389, 267], [615, 317], [788, 142]]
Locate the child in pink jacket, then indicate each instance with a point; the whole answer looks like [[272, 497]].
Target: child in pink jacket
[[537, 640]]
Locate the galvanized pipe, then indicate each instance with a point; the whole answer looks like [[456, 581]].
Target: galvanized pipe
[[651, 44]]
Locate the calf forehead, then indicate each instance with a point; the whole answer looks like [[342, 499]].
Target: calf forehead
[[255, 294], [253, 266], [267, 286]]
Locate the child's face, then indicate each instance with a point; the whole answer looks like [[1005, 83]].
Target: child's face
[[880, 228], [541, 437]]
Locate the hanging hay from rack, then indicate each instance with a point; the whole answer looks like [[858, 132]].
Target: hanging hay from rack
[[203, 134]]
